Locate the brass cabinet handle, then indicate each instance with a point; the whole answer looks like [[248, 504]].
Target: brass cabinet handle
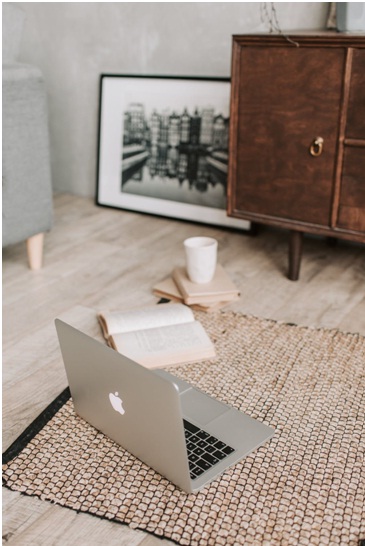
[[316, 147]]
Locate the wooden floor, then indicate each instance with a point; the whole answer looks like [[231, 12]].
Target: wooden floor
[[97, 259]]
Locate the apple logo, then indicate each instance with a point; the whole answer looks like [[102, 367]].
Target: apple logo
[[117, 403]]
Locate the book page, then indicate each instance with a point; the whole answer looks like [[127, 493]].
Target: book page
[[178, 342], [147, 317]]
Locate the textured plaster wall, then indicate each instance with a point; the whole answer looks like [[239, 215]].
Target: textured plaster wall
[[72, 43]]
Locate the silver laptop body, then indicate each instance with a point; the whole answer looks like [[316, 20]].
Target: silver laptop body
[[149, 413]]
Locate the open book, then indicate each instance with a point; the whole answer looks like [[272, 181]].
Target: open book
[[157, 336]]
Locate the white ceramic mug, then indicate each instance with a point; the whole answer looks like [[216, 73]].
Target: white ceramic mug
[[201, 258]]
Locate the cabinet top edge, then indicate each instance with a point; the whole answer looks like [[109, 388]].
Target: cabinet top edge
[[302, 38]]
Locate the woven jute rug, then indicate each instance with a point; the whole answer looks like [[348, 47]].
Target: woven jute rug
[[305, 486]]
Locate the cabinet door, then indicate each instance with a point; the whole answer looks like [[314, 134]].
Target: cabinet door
[[355, 127], [351, 212], [285, 97]]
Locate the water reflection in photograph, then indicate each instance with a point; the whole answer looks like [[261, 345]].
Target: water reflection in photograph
[[175, 156]]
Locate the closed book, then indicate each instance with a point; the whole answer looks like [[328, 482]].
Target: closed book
[[220, 288], [167, 289]]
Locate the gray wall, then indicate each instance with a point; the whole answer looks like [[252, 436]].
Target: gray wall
[[73, 43]]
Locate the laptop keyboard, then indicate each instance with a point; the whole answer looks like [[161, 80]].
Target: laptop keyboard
[[204, 450]]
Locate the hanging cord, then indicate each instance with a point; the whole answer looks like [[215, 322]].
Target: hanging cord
[[269, 16]]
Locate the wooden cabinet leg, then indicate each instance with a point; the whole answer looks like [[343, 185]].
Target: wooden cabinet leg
[[332, 241], [35, 251], [254, 229], [295, 254]]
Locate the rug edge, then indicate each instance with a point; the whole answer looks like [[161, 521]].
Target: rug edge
[[36, 426]]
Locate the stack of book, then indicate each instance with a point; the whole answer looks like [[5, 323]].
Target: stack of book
[[206, 297]]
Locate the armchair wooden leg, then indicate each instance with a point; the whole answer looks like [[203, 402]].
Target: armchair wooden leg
[[35, 251]]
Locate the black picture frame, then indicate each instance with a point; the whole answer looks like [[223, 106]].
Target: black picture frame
[[163, 146]]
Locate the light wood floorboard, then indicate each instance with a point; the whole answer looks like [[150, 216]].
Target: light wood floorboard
[[97, 258]]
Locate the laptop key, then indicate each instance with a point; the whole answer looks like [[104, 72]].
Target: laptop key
[[228, 450], [202, 444], [196, 472], [210, 449], [203, 464], [219, 455], [202, 434], [211, 440], [198, 451], [190, 446], [189, 426], [219, 445], [193, 457], [209, 458]]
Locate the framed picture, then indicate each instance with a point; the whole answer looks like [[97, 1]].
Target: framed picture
[[163, 147]]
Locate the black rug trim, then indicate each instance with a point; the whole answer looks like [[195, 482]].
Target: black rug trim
[[36, 426]]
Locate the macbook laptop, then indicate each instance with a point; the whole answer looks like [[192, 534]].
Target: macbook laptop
[[187, 436]]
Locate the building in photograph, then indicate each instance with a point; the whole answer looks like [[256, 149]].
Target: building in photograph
[[195, 123], [207, 125], [126, 127], [220, 133], [185, 127], [155, 128], [174, 130], [136, 123], [164, 128]]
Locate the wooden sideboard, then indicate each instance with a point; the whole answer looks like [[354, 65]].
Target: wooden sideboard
[[297, 135]]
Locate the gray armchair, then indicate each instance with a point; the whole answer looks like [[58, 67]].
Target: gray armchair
[[27, 189]]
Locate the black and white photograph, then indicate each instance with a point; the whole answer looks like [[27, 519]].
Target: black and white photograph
[[163, 146]]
